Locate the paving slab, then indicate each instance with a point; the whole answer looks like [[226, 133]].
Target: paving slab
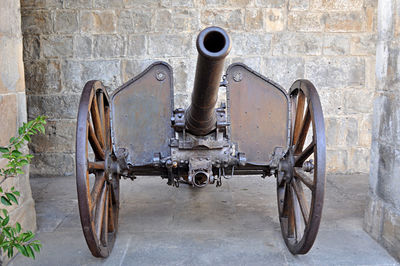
[[236, 224]]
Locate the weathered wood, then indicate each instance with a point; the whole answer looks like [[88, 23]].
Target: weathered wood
[[303, 177], [299, 116], [304, 154], [100, 103], [298, 189], [303, 131], [96, 121], [93, 166], [297, 214], [100, 209], [111, 226], [104, 226], [97, 149], [97, 188]]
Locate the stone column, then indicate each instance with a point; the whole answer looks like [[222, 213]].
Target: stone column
[[13, 108], [382, 218]]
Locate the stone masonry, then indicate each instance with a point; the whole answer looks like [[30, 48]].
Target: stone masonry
[[332, 43], [382, 218], [13, 109]]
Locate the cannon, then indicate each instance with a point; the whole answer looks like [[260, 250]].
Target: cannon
[[259, 130]]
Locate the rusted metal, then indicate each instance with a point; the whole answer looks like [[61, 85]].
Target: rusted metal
[[258, 111], [262, 130], [213, 45], [140, 115]]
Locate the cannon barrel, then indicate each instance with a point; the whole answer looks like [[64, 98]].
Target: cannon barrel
[[213, 45]]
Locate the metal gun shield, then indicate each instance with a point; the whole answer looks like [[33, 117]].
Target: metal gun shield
[[140, 115], [258, 112]]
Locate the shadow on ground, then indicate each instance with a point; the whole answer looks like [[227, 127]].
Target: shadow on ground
[[236, 224]]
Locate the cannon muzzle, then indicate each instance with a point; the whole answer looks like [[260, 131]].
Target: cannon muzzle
[[213, 45]]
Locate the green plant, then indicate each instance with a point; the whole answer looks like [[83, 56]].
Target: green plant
[[12, 236]]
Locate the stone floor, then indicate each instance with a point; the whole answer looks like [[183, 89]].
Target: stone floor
[[236, 224]]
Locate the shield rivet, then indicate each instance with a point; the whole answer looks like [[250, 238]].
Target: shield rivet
[[160, 76], [237, 76]]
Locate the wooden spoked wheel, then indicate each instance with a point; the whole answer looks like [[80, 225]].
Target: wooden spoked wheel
[[98, 188], [301, 177]]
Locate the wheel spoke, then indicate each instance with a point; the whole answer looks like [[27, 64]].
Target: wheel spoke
[[298, 189], [108, 128], [96, 121], [95, 143], [99, 217], [303, 177], [304, 154], [93, 166], [300, 199], [90, 201], [303, 131], [299, 115], [281, 198], [296, 214], [111, 210], [288, 212], [97, 188], [104, 233], [102, 115], [98, 198]]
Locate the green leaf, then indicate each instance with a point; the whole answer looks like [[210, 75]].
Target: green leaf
[[6, 156], [19, 171], [12, 198], [6, 232], [5, 221], [10, 251], [16, 193], [23, 162], [21, 249], [30, 123], [36, 247], [16, 153], [1, 190], [4, 150], [30, 251], [5, 201], [18, 227], [5, 212], [5, 244], [29, 236]]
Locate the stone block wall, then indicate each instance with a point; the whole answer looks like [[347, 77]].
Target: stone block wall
[[332, 43], [382, 218], [13, 109]]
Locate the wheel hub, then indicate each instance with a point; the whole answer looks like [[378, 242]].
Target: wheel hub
[[286, 167]]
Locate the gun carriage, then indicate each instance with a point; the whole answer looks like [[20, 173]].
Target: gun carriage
[[261, 130]]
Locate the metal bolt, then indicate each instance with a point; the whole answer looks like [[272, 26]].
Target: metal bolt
[[237, 76], [160, 76]]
